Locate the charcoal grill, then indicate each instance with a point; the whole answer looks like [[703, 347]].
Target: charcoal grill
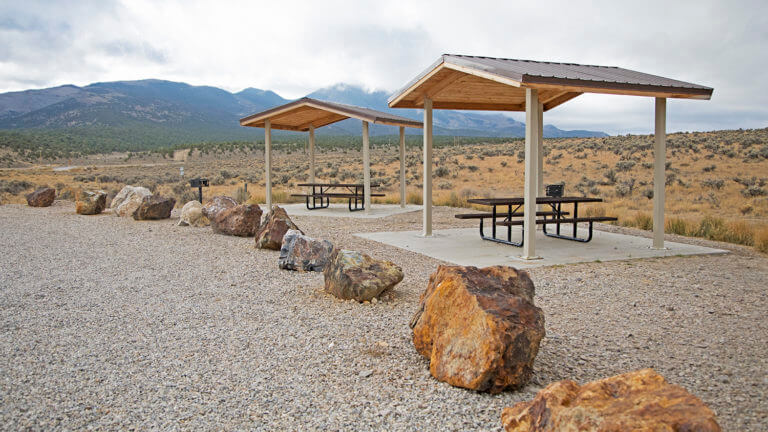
[[199, 183]]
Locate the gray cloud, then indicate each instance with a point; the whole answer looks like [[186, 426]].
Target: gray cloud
[[382, 45]]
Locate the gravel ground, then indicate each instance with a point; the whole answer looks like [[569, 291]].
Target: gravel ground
[[109, 323]]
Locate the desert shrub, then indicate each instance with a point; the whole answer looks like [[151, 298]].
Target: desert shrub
[[444, 185], [648, 193], [610, 178], [84, 178], [625, 165], [226, 175], [442, 172], [709, 168], [625, 187], [472, 168], [713, 183], [754, 191], [14, 187]]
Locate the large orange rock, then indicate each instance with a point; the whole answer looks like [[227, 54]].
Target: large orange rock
[[479, 328], [634, 401]]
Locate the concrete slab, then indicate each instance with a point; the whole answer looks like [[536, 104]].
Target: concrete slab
[[463, 246], [342, 210]]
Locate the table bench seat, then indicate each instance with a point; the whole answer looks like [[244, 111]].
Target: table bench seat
[[335, 195], [560, 221], [490, 215]]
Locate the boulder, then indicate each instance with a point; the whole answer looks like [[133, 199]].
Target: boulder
[[635, 401], [42, 197], [240, 220], [128, 200], [192, 215], [303, 253], [216, 205], [91, 203], [273, 229], [479, 327], [354, 275], [154, 207]]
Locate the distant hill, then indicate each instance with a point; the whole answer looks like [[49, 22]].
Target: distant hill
[[146, 114]]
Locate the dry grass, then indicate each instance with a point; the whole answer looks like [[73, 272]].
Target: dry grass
[[761, 240], [720, 174]]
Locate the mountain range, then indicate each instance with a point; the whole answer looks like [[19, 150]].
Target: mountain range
[[168, 113]]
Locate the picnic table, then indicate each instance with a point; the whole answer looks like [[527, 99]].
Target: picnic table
[[511, 215], [323, 192]]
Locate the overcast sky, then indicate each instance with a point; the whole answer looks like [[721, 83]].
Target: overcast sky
[[294, 48]]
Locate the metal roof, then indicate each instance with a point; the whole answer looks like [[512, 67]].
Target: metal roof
[[300, 114], [443, 80]]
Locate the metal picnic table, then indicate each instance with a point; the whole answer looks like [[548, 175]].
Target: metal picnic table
[[323, 192], [512, 216]]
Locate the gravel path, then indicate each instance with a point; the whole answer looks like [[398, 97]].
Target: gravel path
[[109, 323]]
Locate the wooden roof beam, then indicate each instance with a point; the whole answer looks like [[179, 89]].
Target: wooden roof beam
[[322, 121], [559, 99]]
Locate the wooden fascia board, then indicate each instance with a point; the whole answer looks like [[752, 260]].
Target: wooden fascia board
[[617, 88], [415, 124], [416, 85]]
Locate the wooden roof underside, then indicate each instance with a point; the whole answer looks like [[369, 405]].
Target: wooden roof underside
[[303, 113], [455, 86]]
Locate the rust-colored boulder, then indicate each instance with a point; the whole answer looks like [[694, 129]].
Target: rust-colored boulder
[[91, 203], [42, 197], [240, 220], [154, 207], [276, 224], [634, 401], [353, 275], [216, 205], [479, 328]]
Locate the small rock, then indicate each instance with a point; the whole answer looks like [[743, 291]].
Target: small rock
[[354, 275], [299, 252], [276, 224], [192, 215], [154, 207], [366, 373], [42, 197], [91, 203], [640, 400]]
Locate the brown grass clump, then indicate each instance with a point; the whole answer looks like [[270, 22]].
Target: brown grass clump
[[761, 239]]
